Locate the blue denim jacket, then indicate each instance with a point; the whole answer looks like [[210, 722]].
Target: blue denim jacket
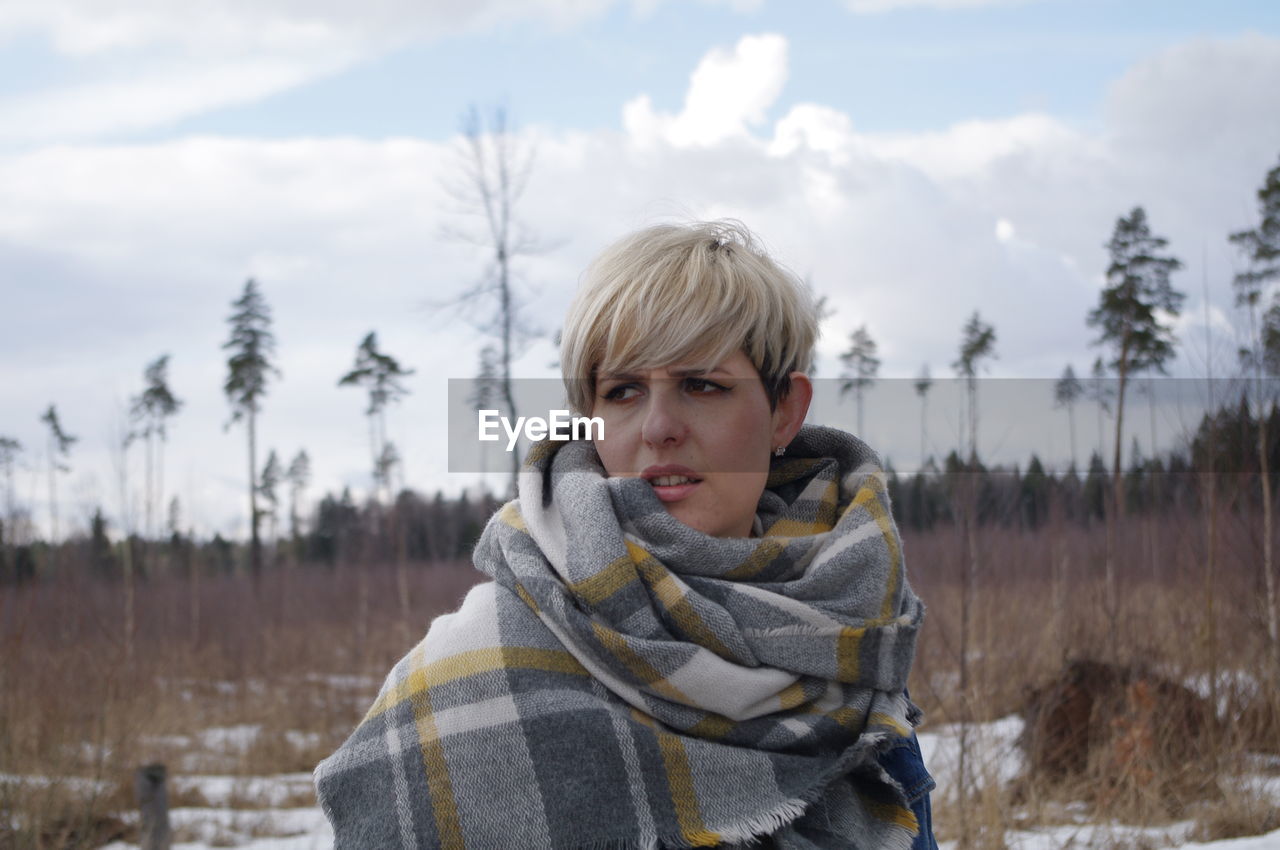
[[906, 765]]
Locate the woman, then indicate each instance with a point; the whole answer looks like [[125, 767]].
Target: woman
[[699, 629]]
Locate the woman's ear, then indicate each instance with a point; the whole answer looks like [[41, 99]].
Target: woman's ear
[[789, 414]]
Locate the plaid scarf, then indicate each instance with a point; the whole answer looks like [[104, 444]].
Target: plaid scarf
[[626, 681]]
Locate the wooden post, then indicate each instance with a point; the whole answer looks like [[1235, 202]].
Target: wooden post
[[153, 804]]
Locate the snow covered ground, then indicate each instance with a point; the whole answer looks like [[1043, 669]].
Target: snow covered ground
[[273, 824]]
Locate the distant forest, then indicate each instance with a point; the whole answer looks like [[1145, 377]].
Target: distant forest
[[438, 529]]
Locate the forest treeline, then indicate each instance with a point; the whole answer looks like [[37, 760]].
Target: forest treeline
[[414, 528], [428, 530], [1224, 446]]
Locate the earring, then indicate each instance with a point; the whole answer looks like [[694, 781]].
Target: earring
[[779, 451]]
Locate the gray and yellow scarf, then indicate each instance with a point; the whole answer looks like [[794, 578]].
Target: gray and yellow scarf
[[628, 682]]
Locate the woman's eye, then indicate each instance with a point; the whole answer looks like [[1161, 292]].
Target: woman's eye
[[621, 392], [702, 385]]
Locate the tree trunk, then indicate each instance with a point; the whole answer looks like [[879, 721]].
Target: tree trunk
[[968, 575], [1071, 427], [402, 572], [1116, 514], [1268, 566], [53, 498], [1153, 490], [924, 414], [1210, 575], [255, 542], [194, 582], [150, 527], [376, 457], [129, 628], [1117, 470], [507, 392], [973, 421]]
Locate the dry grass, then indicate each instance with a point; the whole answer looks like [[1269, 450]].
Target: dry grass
[[1241, 811], [1041, 602], [289, 661], [278, 671]]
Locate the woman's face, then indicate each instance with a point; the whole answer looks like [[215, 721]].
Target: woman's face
[[701, 438]]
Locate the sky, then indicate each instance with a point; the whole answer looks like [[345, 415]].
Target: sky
[[913, 160]]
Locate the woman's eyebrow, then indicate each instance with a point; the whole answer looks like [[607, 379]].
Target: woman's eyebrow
[[694, 373], [691, 372]]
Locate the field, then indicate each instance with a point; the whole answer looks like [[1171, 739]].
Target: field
[[239, 690]]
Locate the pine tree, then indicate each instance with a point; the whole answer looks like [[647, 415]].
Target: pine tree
[[1065, 393], [1128, 314], [1131, 328], [252, 346], [977, 342], [922, 384], [149, 410], [60, 443], [381, 374], [272, 475], [299, 476], [860, 368]]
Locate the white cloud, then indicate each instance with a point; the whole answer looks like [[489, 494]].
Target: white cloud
[[970, 147], [876, 7], [151, 63], [137, 250], [729, 92], [155, 99], [812, 126], [218, 26]]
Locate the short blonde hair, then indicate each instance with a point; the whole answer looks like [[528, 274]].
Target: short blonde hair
[[692, 293]]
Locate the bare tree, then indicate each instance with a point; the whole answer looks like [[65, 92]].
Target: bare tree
[[494, 167], [860, 368], [60, 444]]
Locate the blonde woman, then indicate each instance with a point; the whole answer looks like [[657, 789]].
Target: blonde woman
[[699, 628]]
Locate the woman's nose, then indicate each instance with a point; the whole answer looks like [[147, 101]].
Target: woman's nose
[[664, 421]]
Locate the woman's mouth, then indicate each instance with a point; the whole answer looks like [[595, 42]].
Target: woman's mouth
[[672, 480], [672, 485]]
